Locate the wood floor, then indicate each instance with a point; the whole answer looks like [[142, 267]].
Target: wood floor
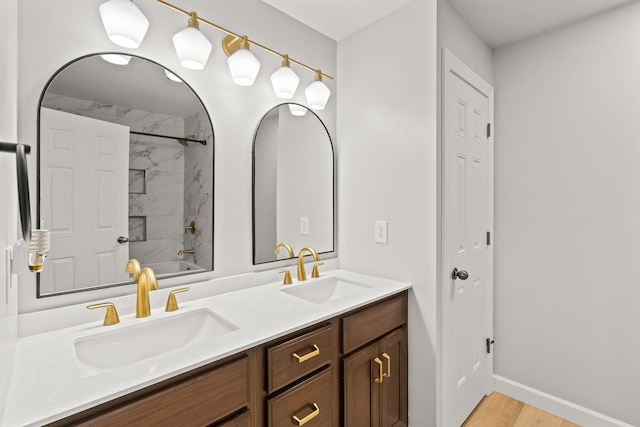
[[499, 410]]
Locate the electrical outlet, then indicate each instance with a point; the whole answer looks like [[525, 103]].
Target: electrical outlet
[[381, 232], [304, 225]]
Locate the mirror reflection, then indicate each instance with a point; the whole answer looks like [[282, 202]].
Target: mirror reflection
[[293, 182], [125, 161]]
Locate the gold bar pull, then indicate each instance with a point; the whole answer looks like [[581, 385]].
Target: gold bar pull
[[388, 374], [381, 376], [111, 317], [315, 413], [172, 303], [307, 356]]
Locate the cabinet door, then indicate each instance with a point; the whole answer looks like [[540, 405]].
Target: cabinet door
[[393, 390], [361, 391]]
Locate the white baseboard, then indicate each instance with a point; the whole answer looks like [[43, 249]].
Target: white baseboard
[[554, 405]]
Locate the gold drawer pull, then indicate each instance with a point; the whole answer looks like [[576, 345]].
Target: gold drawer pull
[[307, 356], [388, 374], [315, 413], [381, 376]]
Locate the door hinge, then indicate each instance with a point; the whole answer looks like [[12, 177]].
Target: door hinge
[[489, 343], [488, 130], [488, 238]]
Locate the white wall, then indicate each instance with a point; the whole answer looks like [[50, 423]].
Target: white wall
[[387, 171], [50, 35], [567, 218], [8, 189]]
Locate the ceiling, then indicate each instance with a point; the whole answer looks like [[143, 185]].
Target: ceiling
[[498, 22]]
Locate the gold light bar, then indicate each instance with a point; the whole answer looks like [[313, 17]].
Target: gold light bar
[[239, 37]]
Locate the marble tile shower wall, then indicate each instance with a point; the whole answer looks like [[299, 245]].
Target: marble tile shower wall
[[156, 180], [198, 184]]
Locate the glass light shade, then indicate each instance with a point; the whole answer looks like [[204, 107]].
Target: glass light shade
[[244, 67], [172, 76], [285, 82], [192, 47], [124, 23], [114, 58], [297, 110], [317, 94]]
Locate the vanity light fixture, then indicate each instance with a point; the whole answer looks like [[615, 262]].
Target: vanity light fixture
[[284, 80], [243, 65], [297, 110], [125, 24], [115, 58], [191, 45], [317, 93]]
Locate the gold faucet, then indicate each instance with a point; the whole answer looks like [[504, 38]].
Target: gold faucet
[[133, 268], [284, 245], [186, 251], [302, 275], [146, 282]]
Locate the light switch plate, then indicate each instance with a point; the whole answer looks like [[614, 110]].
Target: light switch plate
[[304, 225], [381, 232]]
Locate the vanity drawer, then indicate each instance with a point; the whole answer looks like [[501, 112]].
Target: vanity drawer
[[298, 357], [372, 322], [241, 420], [310, 401], [198, 401]]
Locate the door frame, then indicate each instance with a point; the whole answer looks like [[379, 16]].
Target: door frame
[[453, 65]]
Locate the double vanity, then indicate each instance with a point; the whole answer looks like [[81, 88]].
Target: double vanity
[[311, 353]]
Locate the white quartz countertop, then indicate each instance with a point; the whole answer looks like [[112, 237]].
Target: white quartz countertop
[[50, 383]]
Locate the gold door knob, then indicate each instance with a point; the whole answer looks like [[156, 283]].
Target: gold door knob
[[111, 316], [172, 302]]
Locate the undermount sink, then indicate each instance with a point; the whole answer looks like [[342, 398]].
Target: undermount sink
[[120, 347], [319, 291]]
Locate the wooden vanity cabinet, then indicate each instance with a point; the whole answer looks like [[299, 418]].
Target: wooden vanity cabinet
[[375, 375], [350, 370], [212, 394]]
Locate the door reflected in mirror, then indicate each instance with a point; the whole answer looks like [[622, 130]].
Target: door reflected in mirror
[[125, 171], [293, 183]]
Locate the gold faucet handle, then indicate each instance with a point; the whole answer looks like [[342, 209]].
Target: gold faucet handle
[[172, 302], [111, 317], [287, 276], [315, 273]]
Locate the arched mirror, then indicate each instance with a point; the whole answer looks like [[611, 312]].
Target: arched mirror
[[293, 183], [125, 170]]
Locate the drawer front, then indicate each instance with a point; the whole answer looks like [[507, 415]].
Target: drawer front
[[311, 403], [241, 420], [372, 322], [197, 401], [298, 357]]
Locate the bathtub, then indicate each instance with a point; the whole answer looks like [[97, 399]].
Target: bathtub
[[173, 267]]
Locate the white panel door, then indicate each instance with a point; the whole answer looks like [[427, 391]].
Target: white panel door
[[467, 307], [84, 200]]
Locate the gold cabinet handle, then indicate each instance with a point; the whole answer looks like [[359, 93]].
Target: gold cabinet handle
[[307, 356], [111, 317], [388, 374], [172, 302], [315, 413], [381, 376]]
